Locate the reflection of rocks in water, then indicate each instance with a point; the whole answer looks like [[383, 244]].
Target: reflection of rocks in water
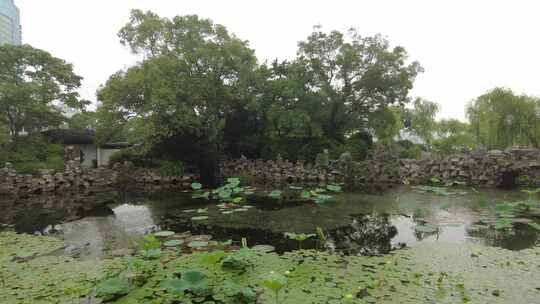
[[519, 237], [36, 213], [367, 235]]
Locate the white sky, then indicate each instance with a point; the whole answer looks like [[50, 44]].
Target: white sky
[[466, 47]]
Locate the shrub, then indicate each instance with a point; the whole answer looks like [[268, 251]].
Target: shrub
[[33, 153], [130, 155], [172, 168]]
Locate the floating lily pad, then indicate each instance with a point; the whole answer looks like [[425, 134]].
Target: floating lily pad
[[164, 233], [190, 210], [197, 244], [199, 218], [264, 248], [535, 226], [173, 243], [241, 210], [227, 212]]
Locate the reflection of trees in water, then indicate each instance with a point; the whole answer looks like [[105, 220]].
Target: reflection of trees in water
[[369, 234], [35, 213], [519, 237]]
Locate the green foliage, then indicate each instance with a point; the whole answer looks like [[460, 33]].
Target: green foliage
[[171, 168], [85, 120], [150, 247], [239, 261], [231, 192], [300, 237], [322, 198], [32, 85], [334, 188], [453, 136], [432, 189], [191, 280], [409, 150], [129, 155], [420, 120], [276, 194], [241, 294], [273, 282], [299, 276], [501, 119], [386, 123], [503, 223], [200, 82], [33, 153], [112, 289]]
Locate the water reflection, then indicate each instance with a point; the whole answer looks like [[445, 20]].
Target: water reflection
[[112, 222]]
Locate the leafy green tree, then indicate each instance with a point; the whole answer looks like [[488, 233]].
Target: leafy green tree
[[194, 77], [34, 87], [420, 120], [386, 124], [353, 76], [500, 119], [85, 120], [453, 135]]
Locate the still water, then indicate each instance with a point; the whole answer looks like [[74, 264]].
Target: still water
[[111, 223]]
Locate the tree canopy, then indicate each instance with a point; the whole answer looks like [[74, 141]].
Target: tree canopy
[[35, 88], [501, 119]]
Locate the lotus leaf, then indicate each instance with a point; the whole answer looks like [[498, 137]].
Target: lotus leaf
[[164, 233], [173, 243]]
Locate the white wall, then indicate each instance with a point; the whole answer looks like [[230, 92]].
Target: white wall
[[90, 153], [105, 155]]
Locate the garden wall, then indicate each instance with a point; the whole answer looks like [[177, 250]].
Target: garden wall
[[77, 178], [478, 168]]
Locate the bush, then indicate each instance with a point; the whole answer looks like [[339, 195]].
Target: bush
[[33, 153], [130, 155], [172, 168]]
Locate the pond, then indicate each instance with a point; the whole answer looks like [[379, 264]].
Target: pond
[[111, 222]]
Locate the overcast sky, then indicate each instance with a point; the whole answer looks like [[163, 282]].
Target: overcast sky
[[466, 47]]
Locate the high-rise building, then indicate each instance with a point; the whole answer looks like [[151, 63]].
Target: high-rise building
[[10, 23]]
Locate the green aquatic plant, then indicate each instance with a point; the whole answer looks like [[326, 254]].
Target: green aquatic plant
[[239, 293], [239, 261], [190, 281], [531, 193], [334, 188], [150, 247], [231, 192], [503, 223], [432, 189], [113, 288], [276, 194], [322, 198], [273, 282], [299, 237]]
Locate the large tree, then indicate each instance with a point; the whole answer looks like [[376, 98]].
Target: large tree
[[500, 119], [353, 77], [194, 77], [420, 119], [35, 89]]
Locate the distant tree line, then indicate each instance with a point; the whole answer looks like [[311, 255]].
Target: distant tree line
[[199, 94]]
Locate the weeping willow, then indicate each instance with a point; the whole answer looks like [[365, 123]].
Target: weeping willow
[[501, 119]]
